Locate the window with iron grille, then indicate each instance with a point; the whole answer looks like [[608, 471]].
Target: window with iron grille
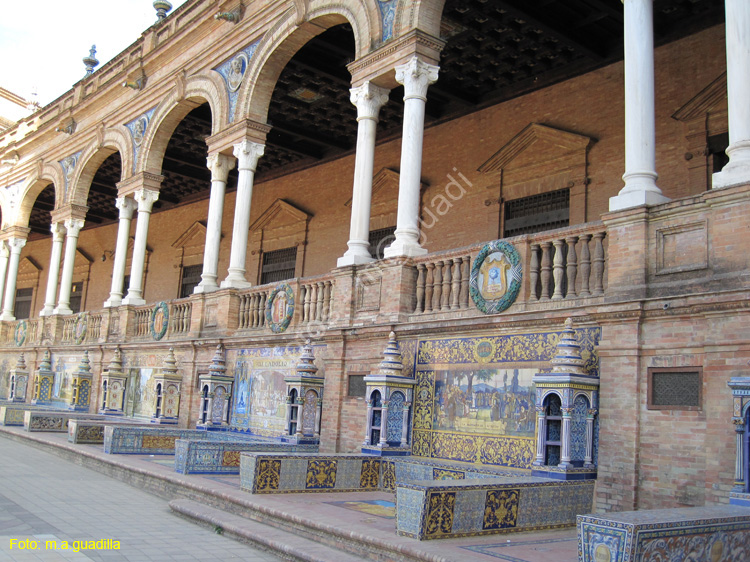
[[675, 388], [278, 265], [380, 239], [357, 386], [22, 308], [191, 277], [76, 293], [537, 213]]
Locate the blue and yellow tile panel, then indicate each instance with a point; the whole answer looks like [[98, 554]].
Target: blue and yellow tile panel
[[222, 456]]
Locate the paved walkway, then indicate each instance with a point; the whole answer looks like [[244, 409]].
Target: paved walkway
[[49, 500], [323, 513]]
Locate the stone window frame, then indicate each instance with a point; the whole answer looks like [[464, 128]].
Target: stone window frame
[[688, 369]]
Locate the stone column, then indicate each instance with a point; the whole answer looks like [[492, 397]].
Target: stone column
[[126, 205], [4, 255], [300, 416], [640, 129], [405, 425], [73, 228], [588, 460], [384, 425], [416, 76], [737, 169], [15, 245], [288, 418], [541, 436], [247, 154], [368, 99], [219, 164], [739, 463], [318, 418], [565, 438], [368, 428], [54, 269], [145, 199]]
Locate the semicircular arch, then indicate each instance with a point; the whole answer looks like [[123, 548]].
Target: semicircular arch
[[114, 139], [16, 209], [284, 39], [198, 89]]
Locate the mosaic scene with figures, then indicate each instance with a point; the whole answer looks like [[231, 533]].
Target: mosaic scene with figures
[[342, 278]]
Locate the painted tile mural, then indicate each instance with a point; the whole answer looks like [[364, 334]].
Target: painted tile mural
[[474, 397], [259, 391]]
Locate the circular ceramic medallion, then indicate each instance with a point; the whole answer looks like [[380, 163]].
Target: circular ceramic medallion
[[602, 553], [82, 326], [159, 320], [20, 334], [280, 308], [495, 277]]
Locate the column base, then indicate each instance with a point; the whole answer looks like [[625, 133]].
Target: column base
[[354, 259], [235, 283], [404, 248], [7, 317], [205, 288], [732, 174], [134, 301], [48, 310], [113, 302], [636, 199], [62, 310]]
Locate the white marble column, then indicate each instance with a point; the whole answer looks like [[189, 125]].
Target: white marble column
[[73, 228], [405, 425], [368, 99], [126, 205], [368, 425], [145, 199], [219, 164], [15, 245], [416, 76], [737, 169], [58, 233], [739, 463], [588, 460], [247, 154], [4, 255], [384, 425], [565, 438], [318, 418], [541, 436], [640, 129]]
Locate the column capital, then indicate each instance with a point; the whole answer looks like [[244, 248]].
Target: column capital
[[368, 99], [146, 199], [416, 76], [58, 231], [73, 226], [4, 251], [16, 244], [126, 205], [219, 164], [248, 153]]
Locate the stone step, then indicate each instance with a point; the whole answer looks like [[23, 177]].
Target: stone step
[[289, 546]]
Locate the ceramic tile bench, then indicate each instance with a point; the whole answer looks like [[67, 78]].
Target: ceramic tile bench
[[212, 456], [478, 506], [147, 440], [12, 414], [52, 421], [91, 432], [710, 534]]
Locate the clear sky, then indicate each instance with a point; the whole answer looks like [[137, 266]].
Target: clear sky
[[42, 42]]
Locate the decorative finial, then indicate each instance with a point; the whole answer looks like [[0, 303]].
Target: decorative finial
[[161, 7], [46, 364], [90, 61], [115, 365], [218, 364], [568, 357], [21, 363], [392, 363], [85, 366], [170, 363], [234, 16], [306, 366]]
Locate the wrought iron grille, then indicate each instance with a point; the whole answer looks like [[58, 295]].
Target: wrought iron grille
[[537, 213], [278, 265]]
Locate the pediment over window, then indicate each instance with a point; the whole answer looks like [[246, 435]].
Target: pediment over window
[[548, 144], [192, 240], [28, 271], [279, 214], [712, 97]]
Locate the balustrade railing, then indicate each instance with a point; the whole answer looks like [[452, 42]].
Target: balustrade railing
[[180, 316], [563, 264], [252, 312], [141, 321], [442, 283], [315, 298], [567, 266], [94, 329], [69, 329]]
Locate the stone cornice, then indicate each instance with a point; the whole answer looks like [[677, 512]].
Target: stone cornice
[[244, 129], [141, 180], [69, 211]]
